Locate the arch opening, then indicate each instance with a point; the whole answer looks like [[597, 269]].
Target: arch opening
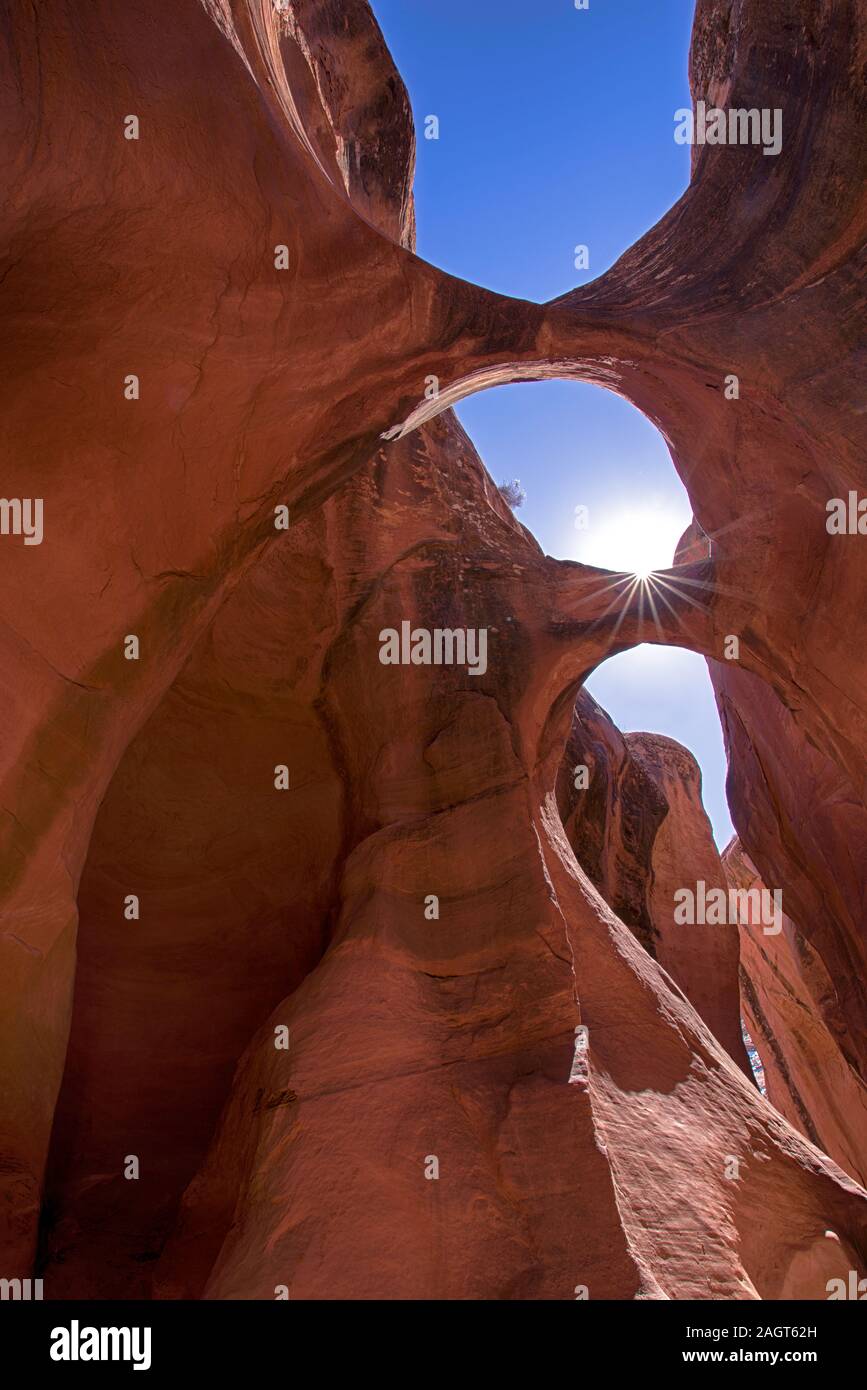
[[593, 480], [631, 801]]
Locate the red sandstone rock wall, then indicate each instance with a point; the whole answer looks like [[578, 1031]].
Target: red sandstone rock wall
[[785, 987], [802, 816], [605, 1162], [639, 830], [452, 1038]]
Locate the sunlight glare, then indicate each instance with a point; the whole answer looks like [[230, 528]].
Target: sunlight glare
[[635, 542]]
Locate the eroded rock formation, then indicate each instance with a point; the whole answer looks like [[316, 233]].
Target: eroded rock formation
[[786, 988], [640, 832], [247, 258]]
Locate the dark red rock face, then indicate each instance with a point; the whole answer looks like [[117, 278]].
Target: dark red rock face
[[393, 1014]]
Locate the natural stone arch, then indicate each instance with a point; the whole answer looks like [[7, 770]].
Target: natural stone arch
[[347, 356], [448, 790]]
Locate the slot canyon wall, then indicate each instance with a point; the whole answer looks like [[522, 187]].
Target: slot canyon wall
[[473, 964], [785, 985], [640, 832]]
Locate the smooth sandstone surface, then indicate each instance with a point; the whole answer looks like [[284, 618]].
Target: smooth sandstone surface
[[640, 832], [605, 1164], [785, 987]]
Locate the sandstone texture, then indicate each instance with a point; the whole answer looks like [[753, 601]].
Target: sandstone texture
[[640, 832], [785, 988], [572, 1064]]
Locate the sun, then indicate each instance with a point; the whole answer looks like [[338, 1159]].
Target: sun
[[631, 541]]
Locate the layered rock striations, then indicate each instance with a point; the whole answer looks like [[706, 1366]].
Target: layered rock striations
[[213, 313]]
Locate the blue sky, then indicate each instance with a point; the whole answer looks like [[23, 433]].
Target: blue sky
[[556, 130]]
